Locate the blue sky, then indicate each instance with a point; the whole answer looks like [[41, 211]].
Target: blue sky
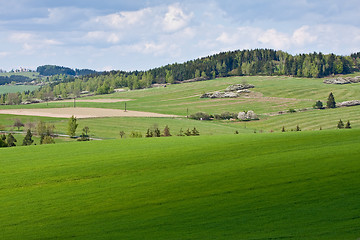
[[138, 35]]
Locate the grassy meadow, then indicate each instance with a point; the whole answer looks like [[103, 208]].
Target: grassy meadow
[[296, 185], [16, 88]]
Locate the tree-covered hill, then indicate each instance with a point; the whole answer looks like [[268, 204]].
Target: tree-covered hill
[[51, 70], [233, 63]]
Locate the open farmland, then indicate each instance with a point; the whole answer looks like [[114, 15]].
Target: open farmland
[[80, 112], [270, 95], [297, 186], [16, 88]]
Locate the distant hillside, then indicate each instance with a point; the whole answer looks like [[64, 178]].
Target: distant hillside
[[234, 63], [51, 70], [265, 62], [14, 78]]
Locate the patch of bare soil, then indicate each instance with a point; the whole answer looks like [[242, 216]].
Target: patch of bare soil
[[97, 100], [81, 113]]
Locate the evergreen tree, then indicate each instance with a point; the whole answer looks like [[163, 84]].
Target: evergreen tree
[[11, 140], [157, 132], [331, 101], [3, 143], [181, 133], [340, 124], [318, 105], [28, 138], [348, 124], [167, 131], [195, 132], [187, 132], [149, 133], [298, 128], [283, 129]]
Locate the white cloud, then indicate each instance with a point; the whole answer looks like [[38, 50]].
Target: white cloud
[[123, 20], [4, 54], [274, 39], [302, 36], [30, 43], [175, 18]]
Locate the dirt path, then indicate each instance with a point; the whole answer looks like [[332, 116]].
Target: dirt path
[[81, 113], [96, 100]]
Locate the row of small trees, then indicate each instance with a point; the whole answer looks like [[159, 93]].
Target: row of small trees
[[341, 125], [10, 141], [155, 132]]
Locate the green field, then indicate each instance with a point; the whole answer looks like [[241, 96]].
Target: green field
[[17, 88], [299, 185], [271, 94]]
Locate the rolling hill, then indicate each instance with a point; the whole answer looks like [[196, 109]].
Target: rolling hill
[[298, 185]]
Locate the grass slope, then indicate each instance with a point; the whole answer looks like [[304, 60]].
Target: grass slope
[[16, 88], [261, 186], [272, 94]]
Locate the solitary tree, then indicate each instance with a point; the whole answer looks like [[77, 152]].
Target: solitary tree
[[86, 130], [298, 128], [72, 125], [84, 136], [331, 101], [340, 124], [283, 129], [122, 134], [348, 124], [28, 138], [18, 123]]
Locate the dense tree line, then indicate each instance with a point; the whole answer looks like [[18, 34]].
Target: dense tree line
[[235, 63], [14, 78], [51, 70]]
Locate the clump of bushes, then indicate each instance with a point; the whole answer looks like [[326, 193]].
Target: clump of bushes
[[318, 105], [188, 132], [200, 116], [225, 116]]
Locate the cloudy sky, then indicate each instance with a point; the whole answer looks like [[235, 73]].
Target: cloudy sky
[[138, 35]]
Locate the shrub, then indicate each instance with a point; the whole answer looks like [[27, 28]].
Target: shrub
[[291, 110], [135, 134], [318, 105], [225, 115]]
